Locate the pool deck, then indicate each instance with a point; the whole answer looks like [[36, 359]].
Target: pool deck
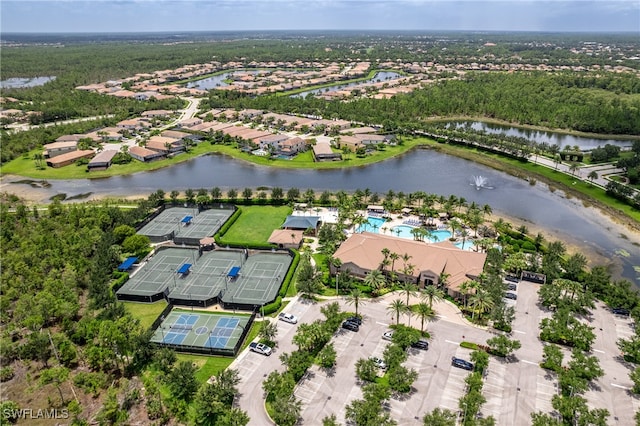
[[399, 219]]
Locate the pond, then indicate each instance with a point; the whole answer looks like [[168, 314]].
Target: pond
[[540, 136], [21, 83], [379, 76]]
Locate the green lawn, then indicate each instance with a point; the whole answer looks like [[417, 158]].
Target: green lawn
[[145, 312], [207, 365], [26, 166], [256, 223]]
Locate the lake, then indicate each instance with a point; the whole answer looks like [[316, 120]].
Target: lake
[[418, 170]]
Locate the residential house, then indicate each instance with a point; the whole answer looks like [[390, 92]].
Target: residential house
[[143, 154], [164, 144], [187, 123], [350, 142], [156, 113], [58, 148], [323, 152], [102, 160], [271, 141], [69, 158], [291, 147], [368, 139]]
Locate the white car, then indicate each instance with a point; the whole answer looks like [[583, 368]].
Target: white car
[[290, 318], [260, 348], [388, 335], [378, 362]]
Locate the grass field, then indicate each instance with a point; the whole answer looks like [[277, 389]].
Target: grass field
[[256, 223], [146, 313]]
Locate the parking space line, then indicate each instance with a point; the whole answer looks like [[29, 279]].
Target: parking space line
[[615, 385], [598, 350], [519, 332], [453, 343], [528, 362]]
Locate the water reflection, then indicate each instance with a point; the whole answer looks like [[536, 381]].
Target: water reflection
[[540, 136]]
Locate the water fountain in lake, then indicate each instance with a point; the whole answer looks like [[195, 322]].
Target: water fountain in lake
[[480, 182]]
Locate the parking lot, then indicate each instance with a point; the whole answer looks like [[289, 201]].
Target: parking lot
[[513, 389]]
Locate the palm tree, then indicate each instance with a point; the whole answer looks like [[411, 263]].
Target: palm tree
[[573, 167], [408, 288], [398, 307], [393, 256], [592, 175], [355, 299], [432, 294], [425, 313], [376, 280], [481, 303], [486, 210]]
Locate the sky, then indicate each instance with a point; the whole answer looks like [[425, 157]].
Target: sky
[[233, 15]]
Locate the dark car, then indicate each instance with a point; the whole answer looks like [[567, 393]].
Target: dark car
[[348, 325], [511, 296], [620, 311], [512, 286], [512, 279], [420, 344], [355, 320], [461, 363]]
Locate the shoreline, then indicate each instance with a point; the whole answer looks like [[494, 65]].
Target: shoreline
[[40, 196]]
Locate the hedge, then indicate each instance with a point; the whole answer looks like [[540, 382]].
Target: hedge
[[120, 279], [289, 277], [272, 307], [223, 230]]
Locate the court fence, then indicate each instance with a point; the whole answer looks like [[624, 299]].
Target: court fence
[[190, 349]]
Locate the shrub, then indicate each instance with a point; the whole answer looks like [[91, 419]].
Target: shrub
[[273, 307]]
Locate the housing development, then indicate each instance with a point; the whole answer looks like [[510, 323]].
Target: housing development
[[256, 296]]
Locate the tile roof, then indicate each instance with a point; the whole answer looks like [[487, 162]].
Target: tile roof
[[365, 250]]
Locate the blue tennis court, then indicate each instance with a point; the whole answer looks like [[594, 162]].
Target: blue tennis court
[[206, 330]]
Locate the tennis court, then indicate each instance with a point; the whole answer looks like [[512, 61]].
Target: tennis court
[[206, 279], [205, 224], [258, 280], [217, 332], [155, 279], [170, 220]]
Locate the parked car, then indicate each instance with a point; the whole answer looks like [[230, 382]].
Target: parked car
[[387, 335], [512, 279], [348, 325], [512, 286], [620, 311], [290, 318], [420, 344], [511, 296], [260, 348], [378, 362], [357, 320], [461, 363]]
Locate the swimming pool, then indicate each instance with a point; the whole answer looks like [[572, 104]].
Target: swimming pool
[[468, 245], [373, 225], [402, 231], [439, 235]]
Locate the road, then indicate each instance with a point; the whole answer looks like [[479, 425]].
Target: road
[[514, 389]]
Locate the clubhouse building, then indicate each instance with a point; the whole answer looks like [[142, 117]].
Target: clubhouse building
[[363, 252]]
